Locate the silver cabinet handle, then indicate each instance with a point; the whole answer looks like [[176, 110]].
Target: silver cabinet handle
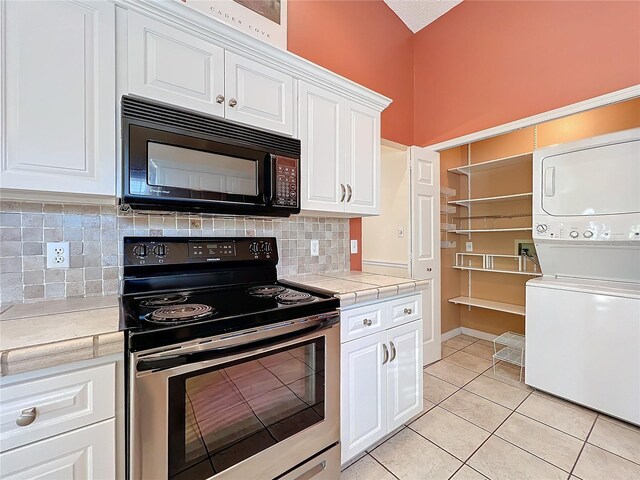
[[408, 311], [429, 269], [367, 322], [220, 99], [393, 352], [233, 102], [350, 193], [27, 417], [386, 353], [344, 193]]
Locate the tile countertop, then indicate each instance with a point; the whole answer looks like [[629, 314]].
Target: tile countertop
[[357, 287], [45, 334]]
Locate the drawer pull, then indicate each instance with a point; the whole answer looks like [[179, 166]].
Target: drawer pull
[[408, 311], [367, 322], [27, 417], [393, 352], [386, 354]]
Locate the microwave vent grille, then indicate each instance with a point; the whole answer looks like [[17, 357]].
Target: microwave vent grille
[[160, 114]]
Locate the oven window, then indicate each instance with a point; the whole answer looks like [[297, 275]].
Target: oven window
[[170, 166], [224, 415]]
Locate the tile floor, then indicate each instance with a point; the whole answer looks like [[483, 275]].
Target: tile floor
[[478, 425]]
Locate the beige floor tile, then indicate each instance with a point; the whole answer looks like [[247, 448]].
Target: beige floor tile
[[480, 350], [597, 464], [617, 421], [488, 343], [467, 473], [469, 361], [462, 336], [617, 439], [508, 374], [436, 390], [451, 373], [499, 460], [562, 401], [366, 469], [450, 432], [477, 410], [457, 343], [409, 456], [499, 392], [446, 351], [545, 442], [576, 422], [426, 406]]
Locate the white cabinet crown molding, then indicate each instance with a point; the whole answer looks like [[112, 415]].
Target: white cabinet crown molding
[[181, 16]]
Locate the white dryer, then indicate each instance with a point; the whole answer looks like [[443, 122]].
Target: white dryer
[[583, 315]]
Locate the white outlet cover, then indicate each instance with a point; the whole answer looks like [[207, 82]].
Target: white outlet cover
[[400, 232], [315, 248], [354, 246], [469, 246], [58, 255]]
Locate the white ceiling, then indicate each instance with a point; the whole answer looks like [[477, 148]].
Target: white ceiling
[[417, 14]]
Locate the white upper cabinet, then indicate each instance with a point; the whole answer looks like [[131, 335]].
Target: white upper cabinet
[[58, 86], [173, 66], [340, 153], [258, 95]]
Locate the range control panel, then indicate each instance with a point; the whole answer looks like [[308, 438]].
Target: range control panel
[[286, 172], [585, 231], [142, 251]]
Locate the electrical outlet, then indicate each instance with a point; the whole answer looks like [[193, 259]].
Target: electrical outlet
[[354, 246], [400, 232], [469, 246], [58, 255], [315, 248]]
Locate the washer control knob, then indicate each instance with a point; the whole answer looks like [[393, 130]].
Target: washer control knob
[[160, 250], [140, 250], [588, 234], [573, 234], [541, 228]]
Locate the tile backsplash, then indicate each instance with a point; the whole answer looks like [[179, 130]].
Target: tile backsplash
[[95, 237]]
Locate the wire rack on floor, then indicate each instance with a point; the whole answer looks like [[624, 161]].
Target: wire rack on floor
[[509, 347]]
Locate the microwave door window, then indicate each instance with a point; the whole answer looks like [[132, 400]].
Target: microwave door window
[[170, 166]]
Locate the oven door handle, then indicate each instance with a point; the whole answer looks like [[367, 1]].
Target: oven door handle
[[167, 362]]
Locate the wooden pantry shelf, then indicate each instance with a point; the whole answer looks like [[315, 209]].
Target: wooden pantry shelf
[[489, 305], [491, 164], [501, 198], [496, 270], [487, 230]]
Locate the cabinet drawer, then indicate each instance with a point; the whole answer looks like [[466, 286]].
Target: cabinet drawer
[[87, 453], [361, 321], [403, 310], [52, 405]]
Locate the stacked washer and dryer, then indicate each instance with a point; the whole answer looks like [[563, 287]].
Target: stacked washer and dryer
[[583, 314]]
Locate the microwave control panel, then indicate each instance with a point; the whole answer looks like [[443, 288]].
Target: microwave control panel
[[286, 182]]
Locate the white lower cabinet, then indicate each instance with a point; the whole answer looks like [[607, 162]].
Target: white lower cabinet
[[86, 453], [381, 376]]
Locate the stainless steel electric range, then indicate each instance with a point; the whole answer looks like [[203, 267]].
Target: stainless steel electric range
[[231, 374]]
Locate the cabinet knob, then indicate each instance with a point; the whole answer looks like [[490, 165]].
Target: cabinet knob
[[27, 417], [220, 98], [367, 322], [408, 311], [233, 102]]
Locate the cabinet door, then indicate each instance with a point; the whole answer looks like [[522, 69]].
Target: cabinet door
[[363, 392], [363, 161], [258, 95], [173, 66], [404, 373], [87, 453], [322, 134], [58, 85]]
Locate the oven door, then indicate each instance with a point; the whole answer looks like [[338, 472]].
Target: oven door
[[250, 405]]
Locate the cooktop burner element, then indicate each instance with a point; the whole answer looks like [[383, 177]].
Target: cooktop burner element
[[163, 300], [291, 298], [266, 290], [180, 313]]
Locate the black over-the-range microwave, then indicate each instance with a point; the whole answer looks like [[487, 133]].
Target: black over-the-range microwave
[[179, 160]]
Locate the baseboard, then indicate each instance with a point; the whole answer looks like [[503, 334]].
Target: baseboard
[[450, 334], [478, 334]]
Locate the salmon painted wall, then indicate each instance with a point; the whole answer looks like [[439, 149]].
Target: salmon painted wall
[[486, 63], [366, 42]]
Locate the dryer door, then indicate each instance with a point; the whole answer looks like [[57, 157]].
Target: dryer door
[[601, 180]]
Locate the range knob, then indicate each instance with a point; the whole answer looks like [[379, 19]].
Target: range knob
[[140, 250], [588, 234], [541, 228], [573, 234], [254, 248], [160, 250], [266, 248]]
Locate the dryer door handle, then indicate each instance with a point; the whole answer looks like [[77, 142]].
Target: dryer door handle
[[549, 181]]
